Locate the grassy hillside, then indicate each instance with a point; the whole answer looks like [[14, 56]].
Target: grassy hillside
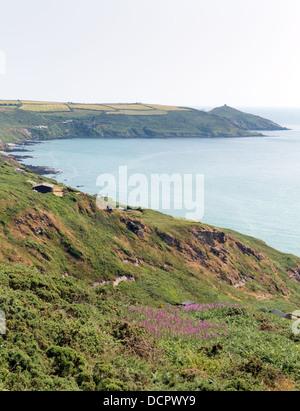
[[90, 299], [27, 120], [244, 121]]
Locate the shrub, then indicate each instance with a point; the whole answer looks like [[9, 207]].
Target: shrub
[[111, 384], [66, 361], [86, 382], [19, 359], [254, 366]]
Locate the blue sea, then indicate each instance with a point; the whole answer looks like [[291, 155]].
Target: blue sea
[[252, 185]]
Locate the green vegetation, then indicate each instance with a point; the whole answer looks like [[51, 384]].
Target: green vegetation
[[40, 108], [244, 121], [25, 120], [69, 272]]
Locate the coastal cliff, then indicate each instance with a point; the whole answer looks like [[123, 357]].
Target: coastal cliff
[[245, 121], [37, 121]]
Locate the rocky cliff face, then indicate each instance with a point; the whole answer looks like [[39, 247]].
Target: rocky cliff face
[[217, 254], [295, 274]]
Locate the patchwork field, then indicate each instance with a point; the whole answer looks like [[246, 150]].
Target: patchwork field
[[126, 109], [44, 107], [42, 120]]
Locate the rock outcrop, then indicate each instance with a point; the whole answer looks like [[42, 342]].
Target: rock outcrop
[[295, 275]]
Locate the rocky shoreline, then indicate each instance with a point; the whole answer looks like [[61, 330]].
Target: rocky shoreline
[[41, 170], [10, 149]]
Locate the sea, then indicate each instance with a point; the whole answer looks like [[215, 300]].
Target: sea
[[250, 185]]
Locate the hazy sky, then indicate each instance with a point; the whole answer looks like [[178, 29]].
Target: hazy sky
[[182, 52]]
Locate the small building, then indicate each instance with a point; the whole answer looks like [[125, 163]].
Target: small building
[[186, 304], [279, 314], [44, 188]]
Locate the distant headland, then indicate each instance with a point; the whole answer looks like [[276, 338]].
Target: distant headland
[[37, 120]]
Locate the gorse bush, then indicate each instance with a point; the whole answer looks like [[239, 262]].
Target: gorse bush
[[65, 361], [89, 344]]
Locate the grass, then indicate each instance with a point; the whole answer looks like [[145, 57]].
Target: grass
[[128, 106], [127, 109], [167, 108], [64, 333], [244, 121], [94, 107], [140, 113], [69, 120], [83, 344], [32, 105], [44, 107]]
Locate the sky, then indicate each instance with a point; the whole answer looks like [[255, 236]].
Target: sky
[[178, 52]]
